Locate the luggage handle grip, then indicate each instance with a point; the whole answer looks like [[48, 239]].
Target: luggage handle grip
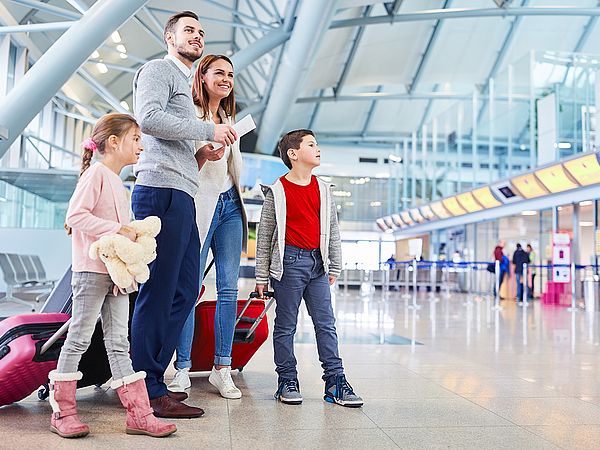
[[268, 294], [251, 297], [56, 336], [260, 318]]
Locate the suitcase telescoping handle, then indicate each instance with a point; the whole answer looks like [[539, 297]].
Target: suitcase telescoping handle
[[256, 323], [56, 336]]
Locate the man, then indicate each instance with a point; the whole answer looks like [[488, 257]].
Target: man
[[520, 257], [167, 180]]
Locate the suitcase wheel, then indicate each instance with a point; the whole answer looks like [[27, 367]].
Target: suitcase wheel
[[44, 392], [240, 369]]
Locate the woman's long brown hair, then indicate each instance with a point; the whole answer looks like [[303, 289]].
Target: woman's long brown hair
[[200, 95]]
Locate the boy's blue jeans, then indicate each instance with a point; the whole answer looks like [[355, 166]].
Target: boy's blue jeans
[[225, 239], [304, 277]]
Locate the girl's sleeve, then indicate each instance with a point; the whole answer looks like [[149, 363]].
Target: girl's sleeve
[[83, 202]]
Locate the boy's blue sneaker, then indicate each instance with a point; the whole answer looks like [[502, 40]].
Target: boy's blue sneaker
[[288, 392], [338, 390]]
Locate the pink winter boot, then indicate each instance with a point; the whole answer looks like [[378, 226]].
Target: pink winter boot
[[65, 421], [140, 418]]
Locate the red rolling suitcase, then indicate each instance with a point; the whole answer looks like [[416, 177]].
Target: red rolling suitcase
[[29, 349], [250, 332]]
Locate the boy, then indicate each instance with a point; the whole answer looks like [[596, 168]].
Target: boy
[[299, 248]]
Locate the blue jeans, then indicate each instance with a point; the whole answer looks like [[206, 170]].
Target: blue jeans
[[304, 277], [519, 278], [166, 299], [225, 239]]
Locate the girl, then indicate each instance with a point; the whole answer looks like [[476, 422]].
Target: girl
[[100, 207], [222, 222]]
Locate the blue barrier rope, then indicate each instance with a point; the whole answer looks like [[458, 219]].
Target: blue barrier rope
[[476, 264]]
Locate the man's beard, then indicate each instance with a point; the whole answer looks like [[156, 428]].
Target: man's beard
[[191, 57]]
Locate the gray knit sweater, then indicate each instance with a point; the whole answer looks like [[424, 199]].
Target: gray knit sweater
[[271, 233], [165, 111]]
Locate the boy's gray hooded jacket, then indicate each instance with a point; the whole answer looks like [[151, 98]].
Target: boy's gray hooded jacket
[[271, 233]]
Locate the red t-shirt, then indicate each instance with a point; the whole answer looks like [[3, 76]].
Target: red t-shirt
[[303, 204]]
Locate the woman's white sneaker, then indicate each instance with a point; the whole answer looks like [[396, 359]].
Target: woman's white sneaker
[[181, 381], [221, 379]]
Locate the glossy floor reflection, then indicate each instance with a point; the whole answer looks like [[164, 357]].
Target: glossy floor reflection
[[435, 372]]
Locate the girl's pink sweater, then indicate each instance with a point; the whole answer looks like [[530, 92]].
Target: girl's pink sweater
[[99, 207]]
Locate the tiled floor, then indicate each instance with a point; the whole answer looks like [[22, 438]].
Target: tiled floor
[[453, 374]]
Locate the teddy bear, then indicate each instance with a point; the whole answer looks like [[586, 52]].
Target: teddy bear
[[127, 261]]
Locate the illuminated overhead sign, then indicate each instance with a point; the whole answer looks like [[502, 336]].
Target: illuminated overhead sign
[[453, 207], [505, 192], [397, 220], [381, 224], [555, 179], [388, 221], [468, 202], [485, 197], [439, 210], [427, 212], [528, 186], [585, 170], [416, 215], [406, 218]]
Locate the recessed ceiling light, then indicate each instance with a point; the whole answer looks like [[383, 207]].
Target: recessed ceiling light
[[586, 203], [125, 105], [529, 213], [101, 67], [116, 37], [95, 55], [121, 48]]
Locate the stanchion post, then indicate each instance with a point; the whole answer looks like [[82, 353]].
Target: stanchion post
[[433, 279], [573, 307], [406, 281], [414, 302], [497, 306], [525, 285]]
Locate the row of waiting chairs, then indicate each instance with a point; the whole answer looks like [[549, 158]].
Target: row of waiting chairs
[[24, 273]]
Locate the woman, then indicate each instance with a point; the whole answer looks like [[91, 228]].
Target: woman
[[221, 219]]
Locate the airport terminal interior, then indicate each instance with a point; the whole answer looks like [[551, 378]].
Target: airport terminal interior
[[459, 141]]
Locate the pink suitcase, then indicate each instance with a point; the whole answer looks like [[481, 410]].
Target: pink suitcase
[[24, 367]]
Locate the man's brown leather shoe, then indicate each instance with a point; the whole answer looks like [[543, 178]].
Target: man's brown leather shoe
[[179, 396], [168, 407]]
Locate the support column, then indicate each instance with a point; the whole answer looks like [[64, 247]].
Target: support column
[[575, 255], [313, 20], [59, 62]]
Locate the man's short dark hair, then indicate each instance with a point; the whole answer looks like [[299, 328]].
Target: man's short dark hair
[[292, 139], [172, 22]]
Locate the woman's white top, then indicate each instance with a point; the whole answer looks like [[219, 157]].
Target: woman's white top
[[217, 177]]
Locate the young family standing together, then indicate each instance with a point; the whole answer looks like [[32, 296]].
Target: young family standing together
[[193, 186]]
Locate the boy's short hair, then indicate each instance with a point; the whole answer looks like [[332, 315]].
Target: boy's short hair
[[291, 139], [172, 21]]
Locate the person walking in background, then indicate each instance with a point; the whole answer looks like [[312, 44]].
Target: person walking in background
[[532, 270], [520, 257], [504, 266]]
